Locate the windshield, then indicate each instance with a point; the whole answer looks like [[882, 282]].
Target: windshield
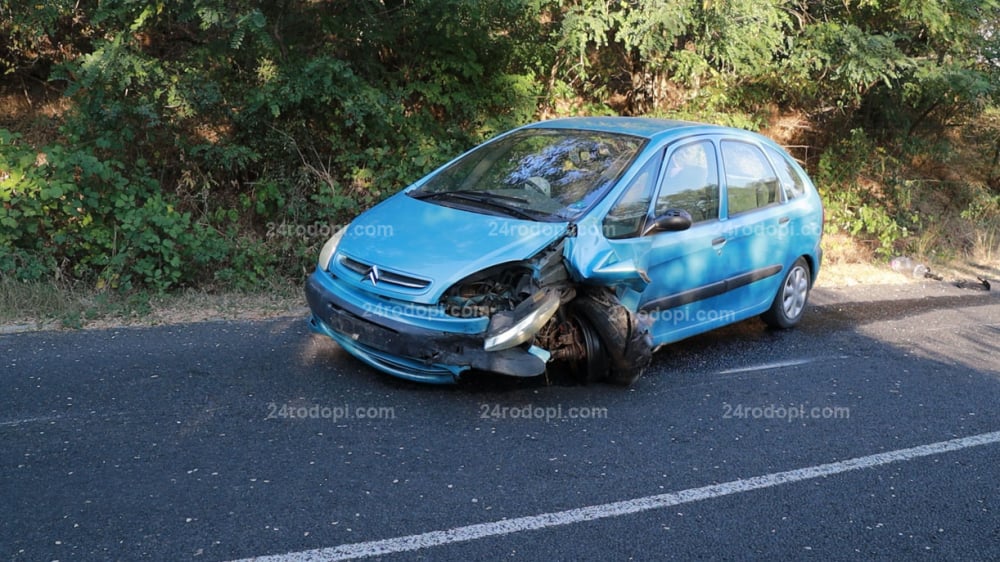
[[542, 174]]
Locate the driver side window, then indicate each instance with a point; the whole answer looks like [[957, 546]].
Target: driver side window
[[691, 182]]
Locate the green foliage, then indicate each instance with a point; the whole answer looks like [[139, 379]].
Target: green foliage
[[636, 49], [34, 35], [743, 37], [196, 128], [66, 212], [852, 62], [196, 124], [865, 194]]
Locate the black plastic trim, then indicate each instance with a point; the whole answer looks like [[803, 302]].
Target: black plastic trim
[[712, 289]]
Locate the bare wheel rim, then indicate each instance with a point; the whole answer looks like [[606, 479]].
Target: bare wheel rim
[[794, 293]]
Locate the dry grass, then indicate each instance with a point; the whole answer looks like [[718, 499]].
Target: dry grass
[[22, 303], [841, 249], [197, 306], [853, 274], [26, 306]]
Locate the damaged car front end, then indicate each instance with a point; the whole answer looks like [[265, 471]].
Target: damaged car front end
[[467, 270], [514, 318], [481, 323]]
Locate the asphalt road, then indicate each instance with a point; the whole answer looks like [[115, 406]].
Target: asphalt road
[[869, 432]]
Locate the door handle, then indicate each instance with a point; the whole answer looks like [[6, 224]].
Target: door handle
[[719, 242], [783, 220]]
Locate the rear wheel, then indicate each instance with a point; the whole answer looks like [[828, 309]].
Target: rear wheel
[[790, 302]]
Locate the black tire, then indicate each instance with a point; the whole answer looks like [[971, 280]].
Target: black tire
[[624, 338], [790, 302], [594, 368]]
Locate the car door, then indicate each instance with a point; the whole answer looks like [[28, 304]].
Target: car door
[[685, 268], [755, 226]]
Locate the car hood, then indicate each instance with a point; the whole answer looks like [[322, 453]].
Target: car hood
[[412, 240]]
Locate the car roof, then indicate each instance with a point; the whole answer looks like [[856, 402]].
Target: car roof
[[645, 127]]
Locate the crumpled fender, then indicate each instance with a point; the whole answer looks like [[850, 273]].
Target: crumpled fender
[[594, 260]]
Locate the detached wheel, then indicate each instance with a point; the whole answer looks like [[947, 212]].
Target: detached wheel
[[790, 302]]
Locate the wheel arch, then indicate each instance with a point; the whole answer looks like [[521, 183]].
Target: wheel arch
[[813, 263]]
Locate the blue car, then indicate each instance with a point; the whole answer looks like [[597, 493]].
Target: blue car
[[581, 242]]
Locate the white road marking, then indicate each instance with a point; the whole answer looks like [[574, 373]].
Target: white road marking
[[29, 420], [780, 364], [767, 366], [616, 509]]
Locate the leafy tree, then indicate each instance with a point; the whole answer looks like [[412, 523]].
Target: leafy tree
[[196, 127]]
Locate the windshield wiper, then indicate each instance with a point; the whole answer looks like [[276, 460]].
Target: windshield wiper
[[483, 198], [468, 193]]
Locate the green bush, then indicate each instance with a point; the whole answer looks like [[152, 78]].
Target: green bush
[[865, 194], [196, 127], [69, 214]]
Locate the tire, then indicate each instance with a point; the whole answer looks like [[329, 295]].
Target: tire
[[593, 368], [624, 338], [790, 302]]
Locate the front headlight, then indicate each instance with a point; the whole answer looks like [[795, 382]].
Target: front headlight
[[326, 254], [512, 328]]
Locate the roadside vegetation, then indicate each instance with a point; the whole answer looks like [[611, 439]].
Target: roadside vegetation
[[152, 148]]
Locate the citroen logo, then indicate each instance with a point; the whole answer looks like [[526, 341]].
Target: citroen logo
[[372, 275]]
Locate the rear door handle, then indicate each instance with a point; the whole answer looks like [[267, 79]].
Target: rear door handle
[[783, 220]]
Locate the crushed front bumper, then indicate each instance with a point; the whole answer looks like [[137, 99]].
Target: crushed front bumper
[[389, 343]]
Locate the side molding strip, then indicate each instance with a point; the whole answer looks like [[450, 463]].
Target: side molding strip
[[713, 289]]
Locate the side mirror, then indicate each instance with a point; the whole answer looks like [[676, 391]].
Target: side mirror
[[672, 220]]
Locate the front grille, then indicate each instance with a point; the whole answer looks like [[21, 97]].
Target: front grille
[[388, 277]]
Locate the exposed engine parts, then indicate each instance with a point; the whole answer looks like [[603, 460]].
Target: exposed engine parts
[[489, 292]]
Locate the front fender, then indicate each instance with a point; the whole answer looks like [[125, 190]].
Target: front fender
[[594, 260]]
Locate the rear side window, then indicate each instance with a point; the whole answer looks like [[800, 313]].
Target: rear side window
[[691, 182], [791, 181], [751, 182]]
